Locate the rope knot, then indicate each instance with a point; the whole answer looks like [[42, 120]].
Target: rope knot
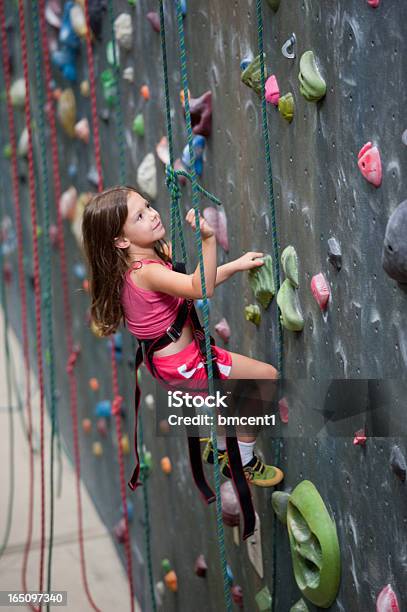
[[171, 180]]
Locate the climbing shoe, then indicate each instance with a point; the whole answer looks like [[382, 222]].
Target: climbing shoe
[[256, 472], [208, 455]]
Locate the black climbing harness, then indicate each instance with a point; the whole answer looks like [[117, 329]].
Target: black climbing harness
[[145, 353]]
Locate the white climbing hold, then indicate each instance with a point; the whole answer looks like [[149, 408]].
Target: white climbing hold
[[147, 176], [22, 149], [128, 74], [123, 31]]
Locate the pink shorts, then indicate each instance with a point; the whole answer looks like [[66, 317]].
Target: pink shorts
[[188, 363]]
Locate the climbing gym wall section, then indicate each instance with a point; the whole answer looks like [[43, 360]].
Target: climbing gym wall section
[[327, 210]]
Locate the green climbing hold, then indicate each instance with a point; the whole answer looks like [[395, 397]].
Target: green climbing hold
[[138, 125], [289, 261], [165, 565], [312, 85], [252, 313], [288, 302], [7, 151], [279, 501], [274, 4], [109, 87], [261, 281], [251, 76], [314, 545], [110, 55], [286, 106], [300, 606], [263, 600]]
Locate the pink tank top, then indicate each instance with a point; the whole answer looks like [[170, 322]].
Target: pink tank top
[[147, 313]]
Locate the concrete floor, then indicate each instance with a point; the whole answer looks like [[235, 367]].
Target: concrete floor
[[106, 576]]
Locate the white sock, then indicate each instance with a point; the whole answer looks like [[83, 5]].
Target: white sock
[[221, 442], [246, 451]]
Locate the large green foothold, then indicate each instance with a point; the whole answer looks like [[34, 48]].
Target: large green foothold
[[288, 302], [300, 606], [138, 125], [286, 106], [251, 76], [314, 545], [252, 313], [312, 85], [279, 501], [289, 261], [261, 281], [274, 4], [263, 600]]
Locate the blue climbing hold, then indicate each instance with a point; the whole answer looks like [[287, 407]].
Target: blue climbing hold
[[198, 145], [245, 62], [130, 510], [80, 271], [199, 304], [103, 409]]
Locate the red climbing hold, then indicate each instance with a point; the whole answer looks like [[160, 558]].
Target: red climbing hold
[[320, 290], [7, 272], [283, 410], [237, 595], [222, 328], [360, 437], [272, 90], [120, 531], [370, 164], [373, 3], [154, 19], [387, 600]]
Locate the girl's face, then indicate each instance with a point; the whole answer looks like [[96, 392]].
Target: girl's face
[[143, 224]]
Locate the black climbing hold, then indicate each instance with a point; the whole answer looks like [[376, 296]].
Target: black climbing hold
[[334, 253], [394, 256], [398, 463]]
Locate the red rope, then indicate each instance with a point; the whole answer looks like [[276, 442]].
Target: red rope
[[73, 351], [21, 282], [37, 286], [117, 398]]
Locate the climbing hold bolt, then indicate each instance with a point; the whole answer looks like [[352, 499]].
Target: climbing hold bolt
[[261, 281], [252, 313], [272, 90], [314, 545], [286, 106], [312, 85], [288, 48], [251, 75], [289, 305], [320, 290], [370, 164], [289, 261], [394, 255], [398, 463]]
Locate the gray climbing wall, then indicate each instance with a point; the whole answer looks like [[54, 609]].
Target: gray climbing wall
[[319, 193]]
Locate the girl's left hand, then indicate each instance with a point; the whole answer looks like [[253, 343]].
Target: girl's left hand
[[246, 261]]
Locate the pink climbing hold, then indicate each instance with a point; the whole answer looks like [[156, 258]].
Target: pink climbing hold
[[201, 114], [217, 219], [387, 600], [320, 290], [230, 505], [154, 19], [373, 3], [272, 90], [370, 164], [360, 437], [283, 410], [120, 530], [223, 330]]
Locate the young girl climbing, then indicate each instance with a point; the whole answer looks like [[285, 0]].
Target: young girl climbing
[[132, 281]]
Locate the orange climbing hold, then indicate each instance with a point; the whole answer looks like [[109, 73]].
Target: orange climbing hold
[[94, 384], [145, 92], [87, 425], [166, 465], [171, 581]]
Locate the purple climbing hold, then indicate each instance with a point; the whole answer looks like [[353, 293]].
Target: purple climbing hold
[[334, 253], [201, 114], [398, 463], [216, 218], [154, 20], [223, 330], [201, 566], [394, 256]]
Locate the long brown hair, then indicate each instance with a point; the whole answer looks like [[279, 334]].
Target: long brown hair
[[103, 219]]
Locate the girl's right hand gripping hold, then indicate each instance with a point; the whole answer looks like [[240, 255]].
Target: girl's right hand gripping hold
[[206, 229]]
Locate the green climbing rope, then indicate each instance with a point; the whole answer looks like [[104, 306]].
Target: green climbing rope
[[46, 274], [276, 262], [198, 240]]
